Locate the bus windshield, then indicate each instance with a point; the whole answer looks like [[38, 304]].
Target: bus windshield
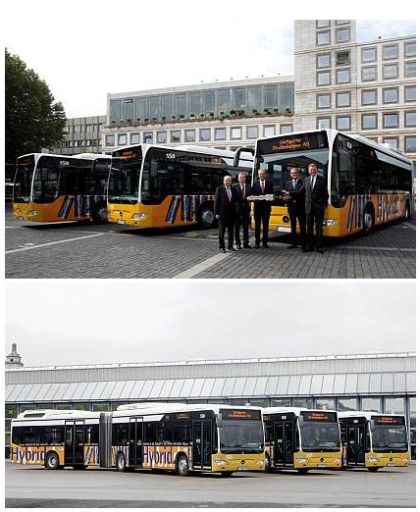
[[23, 179], [389, 438], [124, 180], [238, 436], [320, 436]]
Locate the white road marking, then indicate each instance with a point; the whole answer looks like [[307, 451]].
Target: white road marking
[[200, 267], [366, 248], [28, 248]]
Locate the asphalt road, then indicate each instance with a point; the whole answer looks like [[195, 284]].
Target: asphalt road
[[109, 251], [37, 487]]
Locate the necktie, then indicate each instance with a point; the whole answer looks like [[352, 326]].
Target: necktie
[[262, 187], [294, 184], [229, 193], [243, 190], [312, 182]]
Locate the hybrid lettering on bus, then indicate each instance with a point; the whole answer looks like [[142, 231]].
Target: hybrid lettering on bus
[[301, 439], [58, 188], [374, 440], [369, 184], [162, 186]]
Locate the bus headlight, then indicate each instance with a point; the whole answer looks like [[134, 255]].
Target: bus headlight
[[301, 460], [220, 462], [329, 222], [139, 216], [32, 213], [261, 462]]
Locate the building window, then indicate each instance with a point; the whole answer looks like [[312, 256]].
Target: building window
[[270, 96], [390, 52], [175, 135], [100, 407], [390, 95], [346, 404], [302, 402], [134, 138], [323, 38], [280, 402], [122, 139], [342, 22], [410, 119], [204, 134], [236, 133], [392, 141], [269, 130], [323, 123], [371, 404], [189, 136], [342, 58], [343, 123], [410, 144], [220, 133], [410, 93], [323, 101], [390, 71], [148, 137], [252, 132], [342, 35], [343, 99], [369, 121], [325, 403], [286, 128], [368, 54], [323, 60], [410, 49], [390, 120], [323, 78], [109, 140], [161, 137], [322, 23], [369, 97], [394, 405], [343, 76], [368, 73], [410, 68]]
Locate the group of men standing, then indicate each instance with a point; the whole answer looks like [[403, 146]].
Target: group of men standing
[[306, 200]]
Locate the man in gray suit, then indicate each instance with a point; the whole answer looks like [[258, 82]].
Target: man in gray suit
[[243, 190]]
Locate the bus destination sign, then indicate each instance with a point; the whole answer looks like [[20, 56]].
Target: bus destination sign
[[240, 414], [388, 420], [129, 154], [292, 143], [318, 416]]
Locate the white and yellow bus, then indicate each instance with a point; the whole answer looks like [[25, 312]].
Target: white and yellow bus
[[369, 184], [302, 439], [174, 437], [373, 440], [58, 188], [162, 186]]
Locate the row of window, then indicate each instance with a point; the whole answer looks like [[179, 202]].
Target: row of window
[[81, 143], [324, 37], [195, 135], [389, 52], [368, 97], [84, 128], [368, 73], [370, 120]]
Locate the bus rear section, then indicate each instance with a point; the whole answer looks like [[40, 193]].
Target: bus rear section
[[301, 439], [57, 188], [163, 187], [373, 440]]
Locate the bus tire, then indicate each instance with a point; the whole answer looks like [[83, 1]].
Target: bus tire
[[101, 214], [182, 465], [52, 461], [206, 216], [368, 219], [407, 211], [373, 469], [120, 462], [303, 471], [226, 474]]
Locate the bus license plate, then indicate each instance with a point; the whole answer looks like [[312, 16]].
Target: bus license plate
[[322, 465], [120, 221], [280, 229], [391, 464], [242, 468]]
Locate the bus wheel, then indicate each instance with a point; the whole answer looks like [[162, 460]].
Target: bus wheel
[[206, 217], [407, 211], [368, 220], [52, 461], [226, 474], [373, 469], [101, 214], [303, 471], [182, 465], [121, 466]]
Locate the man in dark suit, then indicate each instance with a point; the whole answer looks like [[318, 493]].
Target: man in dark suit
[[225, 203], [296, 207], [243, 190], [262, 208]]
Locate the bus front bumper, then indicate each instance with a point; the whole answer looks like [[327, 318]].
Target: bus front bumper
[[238, 462], [127, 215], [317, 460], [383, 460]]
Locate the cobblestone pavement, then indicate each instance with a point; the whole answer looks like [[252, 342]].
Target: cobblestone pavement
[[107, 251]]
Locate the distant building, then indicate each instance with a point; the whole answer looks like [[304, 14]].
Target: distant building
[[14, 360], [83, 135]]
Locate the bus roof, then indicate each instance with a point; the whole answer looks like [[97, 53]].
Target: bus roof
[[84, 156], [168, 407], [365, 414], [37, 414], [294, 410]]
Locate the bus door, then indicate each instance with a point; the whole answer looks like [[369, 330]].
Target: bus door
[[75, 440], [356, 444], [201, 444], [135, 455], [283, 442]]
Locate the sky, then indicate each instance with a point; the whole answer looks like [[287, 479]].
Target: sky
[[115, 321], [90, 48]]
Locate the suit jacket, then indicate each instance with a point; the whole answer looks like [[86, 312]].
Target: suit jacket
[[256, 191], [295, 205], [222, 205], [318, 197], [243, 203]]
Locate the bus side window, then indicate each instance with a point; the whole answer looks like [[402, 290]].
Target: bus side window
[[268, 432]]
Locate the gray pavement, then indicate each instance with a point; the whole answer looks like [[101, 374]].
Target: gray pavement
[[108, 251], [37, 487]]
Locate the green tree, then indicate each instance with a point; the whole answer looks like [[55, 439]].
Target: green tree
[[33, 119]]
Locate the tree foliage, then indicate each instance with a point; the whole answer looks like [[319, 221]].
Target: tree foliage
[[33, 119]]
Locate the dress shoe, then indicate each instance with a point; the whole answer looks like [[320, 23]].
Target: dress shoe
[[247, 246], [265, 246], [231, 249], [238, 247], [319, 250], [292, 246], [222, 250]]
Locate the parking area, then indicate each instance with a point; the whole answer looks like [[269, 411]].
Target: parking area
[[108, 251]]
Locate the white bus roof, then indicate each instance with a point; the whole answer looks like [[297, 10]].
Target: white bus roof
[[365, 414], [84, 156], [294, 410], [152, 408], [70, 414]]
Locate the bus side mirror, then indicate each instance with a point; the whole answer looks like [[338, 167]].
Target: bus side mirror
[[238, 152]]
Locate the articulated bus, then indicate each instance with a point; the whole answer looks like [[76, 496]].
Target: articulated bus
[[174, 437], [58, 188], [158, 186], [368, 183], [373, 440], [301, 439]]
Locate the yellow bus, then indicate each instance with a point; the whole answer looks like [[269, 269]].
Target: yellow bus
[[369, 183], [373, 440], [58, 188], [162, 186], [302, 439], [181, 438]]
